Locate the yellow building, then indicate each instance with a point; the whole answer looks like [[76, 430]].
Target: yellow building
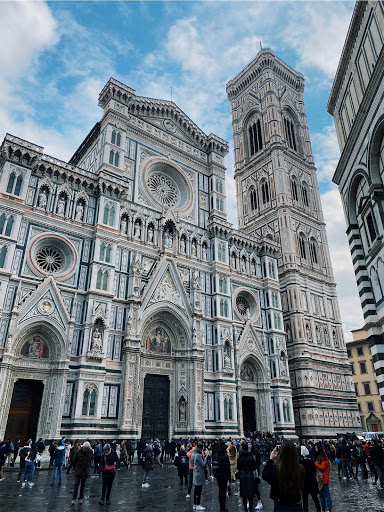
[[364, 378]]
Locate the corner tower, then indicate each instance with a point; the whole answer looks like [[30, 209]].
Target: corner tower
[[278, 197]]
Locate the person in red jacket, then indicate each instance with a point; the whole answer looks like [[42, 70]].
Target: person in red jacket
[[322, 463]]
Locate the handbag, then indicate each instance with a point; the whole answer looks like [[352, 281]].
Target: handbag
[[319, 478], [108, 468]]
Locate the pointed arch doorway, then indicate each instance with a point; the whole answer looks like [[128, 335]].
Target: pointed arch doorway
[[155, 423]]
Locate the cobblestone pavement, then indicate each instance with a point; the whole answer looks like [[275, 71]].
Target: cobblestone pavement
[[164, 494]]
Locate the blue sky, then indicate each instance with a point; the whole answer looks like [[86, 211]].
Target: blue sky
[[58, 55]]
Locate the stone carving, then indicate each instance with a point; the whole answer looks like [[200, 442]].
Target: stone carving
[[150, 234], [42, 203], [166, 290], [61, 206], [79, 212], [182, 409], [123, 226], [97, 341], [137, 231], [168, 240]]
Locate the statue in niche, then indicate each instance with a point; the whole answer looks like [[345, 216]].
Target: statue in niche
[[233, 261], [243, 266], [96, 342], [283, 365], [61, 206], [194, 249], [334, 338], [204, 252], [150, 234], [318, 336], [326, 337], [253, 267], [168, 239], [123, 225], [137, 231], [196, 280], [42, 199], [182, 245], [227, 358], [182, 409], [309, 335], [79, 212]]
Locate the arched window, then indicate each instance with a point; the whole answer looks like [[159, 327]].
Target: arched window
[[3, 218], [267, 299], [380, 271], [105, 281], [302, 251], [11, 182], [3, 253], [277, 321], [113, 137], [275, 300], [8, 229], [108, 254], [89, 403], [365, 214], [111, 218], [289, 131], [98, 279], [117, 156], [265, 192], [102, 252], [111, 156], [118, 139], [377, 291], [271, 269], [225, 409], [230, 407], [294, 193], [221, 252], [271, 346], [255, 138], [222, 285], [105, 252], [305, 194], [286, 411], [272, 368], [225, 308], [277, 409], [313, 251], [219, 185]]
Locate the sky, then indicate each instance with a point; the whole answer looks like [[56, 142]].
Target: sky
[[57, 56]]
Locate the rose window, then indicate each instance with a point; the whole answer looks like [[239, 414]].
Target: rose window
[[163, 190], [242, 305], [49, 259]]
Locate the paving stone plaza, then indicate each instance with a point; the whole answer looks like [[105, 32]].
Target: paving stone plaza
[[164, 493]]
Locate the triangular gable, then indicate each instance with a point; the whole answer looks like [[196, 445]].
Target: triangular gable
[[166, 286], [45, 303], [251, 343]]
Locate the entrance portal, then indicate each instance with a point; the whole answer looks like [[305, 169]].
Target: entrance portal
[[155, 407], [25, 410], [249, 413]]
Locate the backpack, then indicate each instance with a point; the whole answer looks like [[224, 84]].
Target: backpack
[[215, 468]]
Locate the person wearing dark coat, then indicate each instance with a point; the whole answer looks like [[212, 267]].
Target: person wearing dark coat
[[310, 482], [246, 465], [82, 463], [377, 459], [222, 472], [108, 471], [182, 463]]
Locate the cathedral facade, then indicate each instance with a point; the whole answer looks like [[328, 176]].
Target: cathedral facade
[[130, 307]]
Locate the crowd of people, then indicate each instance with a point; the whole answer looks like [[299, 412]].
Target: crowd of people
[[294, 472]]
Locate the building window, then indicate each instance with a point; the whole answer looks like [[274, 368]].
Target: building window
[[221, 252], [356, 389], [89, 403], [370, 406], [295, 195], [286, 411], [303, 254], [363, 367], [102, 280], [271, 269], [14, 184], [253, 199], [289, 130], [352, 366], [219, 186], [109, 215], [6, 224], [116, 138], [105, 253], [349, 352], [272, 367], [255, 138], [271, 346], [360, 351], [111, 156], [223, 308], [367, 388], [3, 253], [305, 195], [313, 252], [265, 192], [222, 285]]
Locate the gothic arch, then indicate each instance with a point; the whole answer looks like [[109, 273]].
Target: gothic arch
[[43, 328], [350, 205], [374, 152]]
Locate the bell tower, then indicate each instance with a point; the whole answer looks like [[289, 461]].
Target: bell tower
[[278, 198]]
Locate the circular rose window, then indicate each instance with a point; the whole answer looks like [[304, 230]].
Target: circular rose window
[[246, 304], [167, 186], [51, 254], [242, 305]]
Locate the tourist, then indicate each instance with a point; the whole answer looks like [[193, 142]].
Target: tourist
[[377, 459], [199, 462], [108, 471], [310, 481], [182, 463], [132, 448], [222, 472], [23, 454], [232, 455], [97, 454], [81, 462], [147, 461], [58, 458], [324, 466], [123, 454], [16, 448], [190, 450], [72, 453], [2, 461], [40, 445], [246, 466], [68, 447], [31, 460], [286, 478]]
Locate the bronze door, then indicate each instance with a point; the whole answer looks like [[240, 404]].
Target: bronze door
[[155, 407]]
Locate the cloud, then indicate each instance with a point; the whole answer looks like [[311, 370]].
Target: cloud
[[326, 153], [350, 308], [317, 31]]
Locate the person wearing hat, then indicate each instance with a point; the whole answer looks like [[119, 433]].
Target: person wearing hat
[[310, 481], [58, 461], [246, 465], [82, 463], [108, 471], [199, 463]]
